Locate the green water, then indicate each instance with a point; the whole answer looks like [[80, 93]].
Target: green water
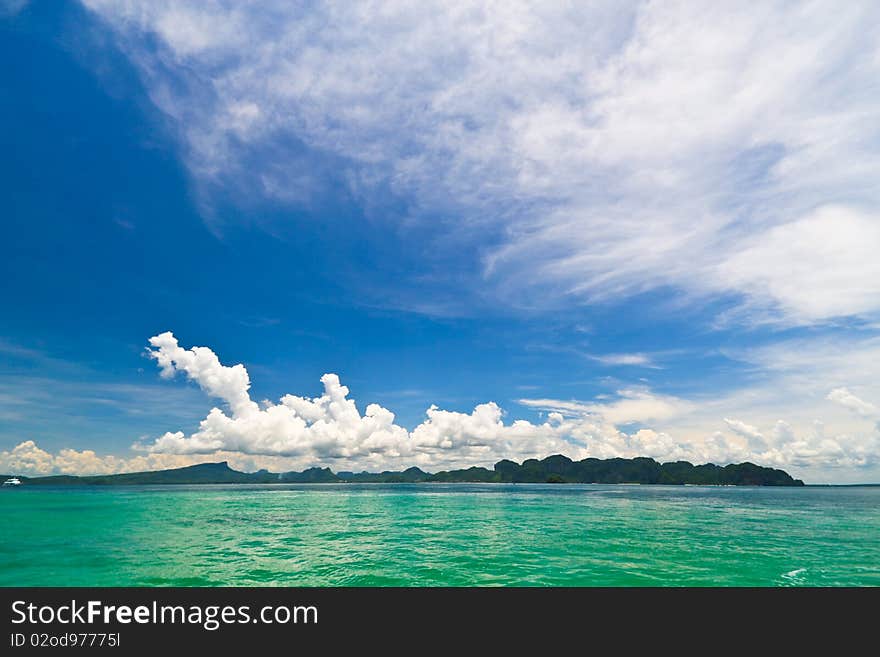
[[452, 534]]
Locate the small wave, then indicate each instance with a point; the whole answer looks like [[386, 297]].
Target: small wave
[[794, 574]]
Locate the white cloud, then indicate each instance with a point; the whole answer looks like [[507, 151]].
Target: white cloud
[[231, 384], [794, 409], [27, 458], [822, 264], [848, 400], [298, 432], [642, 360], [747, 431], [616, 147], [331, 429], [631, 406]]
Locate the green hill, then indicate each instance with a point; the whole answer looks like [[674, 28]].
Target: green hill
[[553, 469]]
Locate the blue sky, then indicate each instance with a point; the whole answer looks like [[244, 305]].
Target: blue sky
[[635, 230]]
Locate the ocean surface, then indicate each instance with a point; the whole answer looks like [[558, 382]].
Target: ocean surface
[[439, 534]]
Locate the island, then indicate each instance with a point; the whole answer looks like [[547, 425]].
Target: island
[[555, 469]]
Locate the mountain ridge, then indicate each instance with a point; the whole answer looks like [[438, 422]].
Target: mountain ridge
[[552, 469]]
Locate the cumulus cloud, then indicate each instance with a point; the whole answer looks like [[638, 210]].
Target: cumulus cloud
[[231, 384], [27, 458], [331, 429], [747, 431], [615, 147], [782, 446]]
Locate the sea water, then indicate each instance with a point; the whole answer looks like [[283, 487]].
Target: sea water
[[439, 534]]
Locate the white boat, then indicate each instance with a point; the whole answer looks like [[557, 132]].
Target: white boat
[[12, 481]]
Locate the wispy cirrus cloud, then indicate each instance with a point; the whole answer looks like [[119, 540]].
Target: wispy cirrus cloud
[[586, 152], [634, 359], [629, 406]]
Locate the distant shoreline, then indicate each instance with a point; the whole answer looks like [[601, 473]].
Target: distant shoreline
[[554, 469]]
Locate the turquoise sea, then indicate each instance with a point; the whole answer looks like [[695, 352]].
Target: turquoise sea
[[439, 534]]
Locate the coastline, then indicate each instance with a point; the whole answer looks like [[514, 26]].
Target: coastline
[[555, 469]]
